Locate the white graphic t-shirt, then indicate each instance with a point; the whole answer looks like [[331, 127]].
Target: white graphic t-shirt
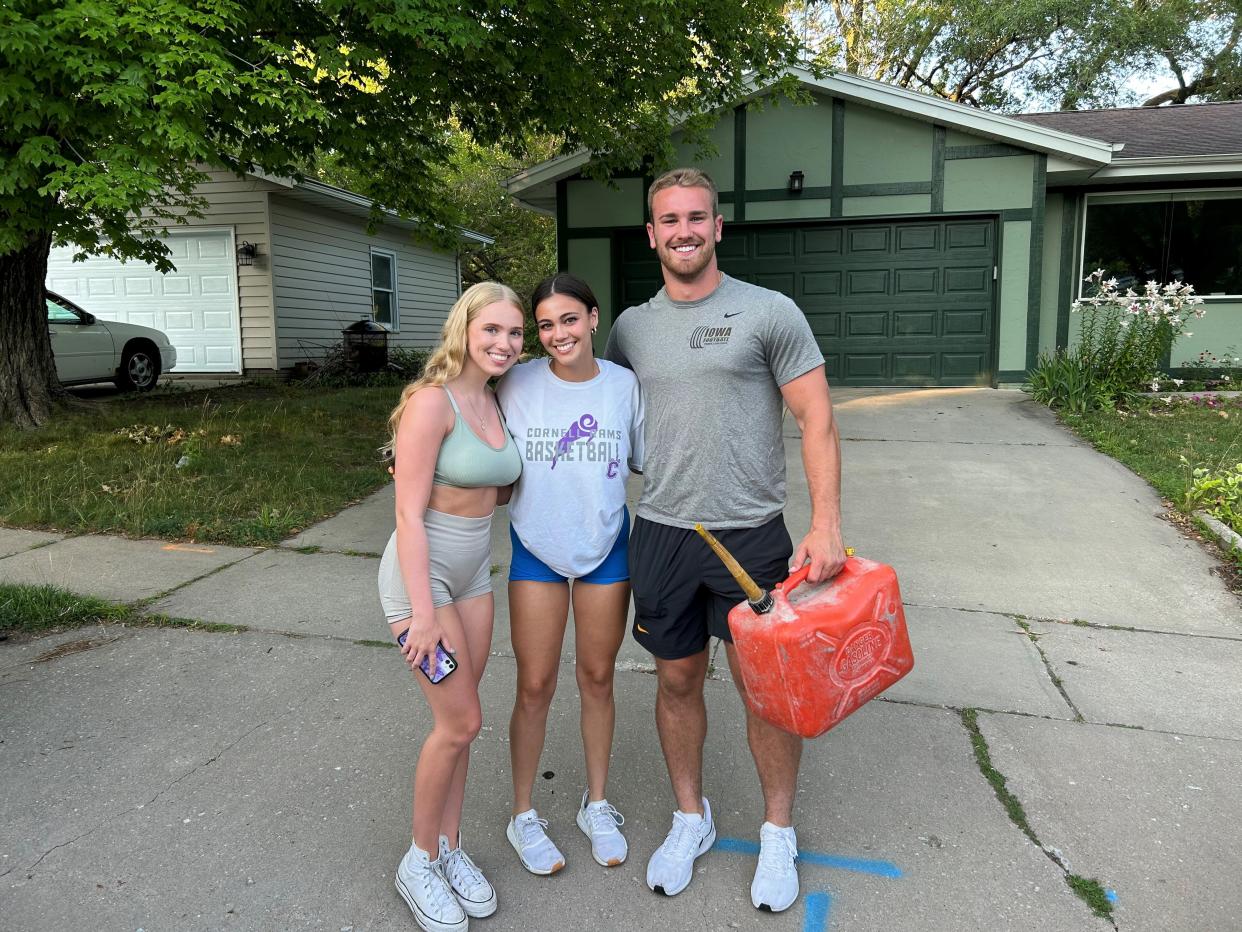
[[578, 441]]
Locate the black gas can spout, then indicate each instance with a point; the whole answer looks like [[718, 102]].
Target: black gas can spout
[[760, 602]]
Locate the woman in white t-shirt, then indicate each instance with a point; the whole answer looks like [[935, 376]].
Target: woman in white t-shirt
[[578, 422]]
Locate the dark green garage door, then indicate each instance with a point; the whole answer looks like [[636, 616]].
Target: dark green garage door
[[908, 303]]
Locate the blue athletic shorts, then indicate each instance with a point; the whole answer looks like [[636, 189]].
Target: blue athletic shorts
[[525, 566]]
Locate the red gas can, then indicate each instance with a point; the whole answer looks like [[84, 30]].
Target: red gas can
[[823, 650]]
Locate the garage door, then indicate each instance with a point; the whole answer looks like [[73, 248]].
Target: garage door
[[196, 306], [907, 303]]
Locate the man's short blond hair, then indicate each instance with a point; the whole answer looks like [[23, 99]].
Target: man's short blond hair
[[683, 178]]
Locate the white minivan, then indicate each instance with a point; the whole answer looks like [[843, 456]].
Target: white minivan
[[91, 350]]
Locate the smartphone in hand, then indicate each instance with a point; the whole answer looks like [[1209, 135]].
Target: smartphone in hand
[[436, 665]]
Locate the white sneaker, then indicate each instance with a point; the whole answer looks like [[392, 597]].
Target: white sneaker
[[775, 886], [599, 822], [532, 844], [671, 867], [424, 888], [476, 896]]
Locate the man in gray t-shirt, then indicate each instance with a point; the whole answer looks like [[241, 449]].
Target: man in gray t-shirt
[[717, 359]]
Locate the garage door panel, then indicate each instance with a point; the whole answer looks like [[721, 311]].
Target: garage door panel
[[821, 242], [914, 323], [195, 305], [821, 283], [962, 366], [917, 238], [966, 322], [734, 247], [776, 244], [921, 366], [971, 235], [862, 324], [866, 282], [865, 366], [916, 281], [868, 239], [832, 364], [967, 281]]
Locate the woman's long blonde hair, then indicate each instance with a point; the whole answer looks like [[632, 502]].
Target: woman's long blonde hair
[[449, 356]]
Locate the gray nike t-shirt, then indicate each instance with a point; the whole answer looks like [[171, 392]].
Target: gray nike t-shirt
[[711, 372]]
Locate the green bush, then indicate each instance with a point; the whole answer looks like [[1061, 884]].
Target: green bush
[[1066, 381], [1219, 493]]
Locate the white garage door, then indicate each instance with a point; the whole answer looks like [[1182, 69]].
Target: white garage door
[[196, 306]]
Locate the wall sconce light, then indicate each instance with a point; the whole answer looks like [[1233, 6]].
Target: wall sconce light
[[246, 253], [795, 182]]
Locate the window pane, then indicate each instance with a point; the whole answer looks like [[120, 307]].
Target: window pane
[[1126, 241], [60, 315], [382, 306], [381, 271], [1205, 245]]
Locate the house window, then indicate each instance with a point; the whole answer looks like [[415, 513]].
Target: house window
[[1194, 237], [384, 288]]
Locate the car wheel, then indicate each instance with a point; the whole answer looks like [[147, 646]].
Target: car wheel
[[140, 368]]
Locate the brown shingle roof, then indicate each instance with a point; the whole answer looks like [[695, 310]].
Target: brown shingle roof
[[1155, 132]]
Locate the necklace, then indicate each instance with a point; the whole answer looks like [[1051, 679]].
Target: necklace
[[477, 413]]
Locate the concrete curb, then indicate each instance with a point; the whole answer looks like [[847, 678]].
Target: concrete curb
[[1225, 536]]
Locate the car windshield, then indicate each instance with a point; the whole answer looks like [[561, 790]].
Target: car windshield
[[59, 314]]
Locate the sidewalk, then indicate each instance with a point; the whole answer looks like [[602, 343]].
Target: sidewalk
[[163, 778]]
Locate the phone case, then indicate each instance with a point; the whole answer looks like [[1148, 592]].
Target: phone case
[[435, 666]]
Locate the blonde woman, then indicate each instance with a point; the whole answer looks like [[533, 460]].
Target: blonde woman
[[452, 454]]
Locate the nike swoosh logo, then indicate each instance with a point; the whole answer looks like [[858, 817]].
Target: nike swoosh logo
[[734, 314], [641, 629]]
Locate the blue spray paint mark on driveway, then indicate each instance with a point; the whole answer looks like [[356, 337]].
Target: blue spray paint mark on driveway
[[816, 905], [816, 918], [856, 865]]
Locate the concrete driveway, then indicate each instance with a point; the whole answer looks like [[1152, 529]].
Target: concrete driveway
[[173, 779]]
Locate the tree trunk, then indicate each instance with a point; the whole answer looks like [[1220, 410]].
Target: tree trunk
[[28, 385]]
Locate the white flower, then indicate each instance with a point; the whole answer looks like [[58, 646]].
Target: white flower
[[1155, 385], [1177, 382], [1225, 378]]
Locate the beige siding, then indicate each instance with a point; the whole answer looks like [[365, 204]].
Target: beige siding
[[321, 273]]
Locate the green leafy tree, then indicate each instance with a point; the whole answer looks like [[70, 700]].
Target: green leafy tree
[[1016, 54], [112, 108]]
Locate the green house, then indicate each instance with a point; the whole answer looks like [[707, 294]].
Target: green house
[[931, 243]]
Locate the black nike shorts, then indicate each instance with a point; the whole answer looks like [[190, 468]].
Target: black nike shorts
[[682, 591]]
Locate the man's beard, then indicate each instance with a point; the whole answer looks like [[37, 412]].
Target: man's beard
[[671, 264]]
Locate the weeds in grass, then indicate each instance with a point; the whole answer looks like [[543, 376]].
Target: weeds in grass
[[42, 608]]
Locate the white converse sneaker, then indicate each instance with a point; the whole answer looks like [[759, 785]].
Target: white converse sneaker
[[424, 888], [775, 886], [532, 844], [599, 822], [671, 867], [476, 896]]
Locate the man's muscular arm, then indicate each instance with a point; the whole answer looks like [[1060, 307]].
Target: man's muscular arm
[[808, 399]]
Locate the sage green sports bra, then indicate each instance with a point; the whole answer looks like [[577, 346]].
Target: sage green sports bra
[[467, 461]]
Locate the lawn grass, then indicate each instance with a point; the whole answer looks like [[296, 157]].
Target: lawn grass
[[1152, 437], [40, 608], [257, 463]]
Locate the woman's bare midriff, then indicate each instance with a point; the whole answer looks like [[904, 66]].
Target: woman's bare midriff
[[465, 503]]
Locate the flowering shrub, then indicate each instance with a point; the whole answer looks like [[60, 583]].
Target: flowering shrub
[[1125, 335], [1123, 339]]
